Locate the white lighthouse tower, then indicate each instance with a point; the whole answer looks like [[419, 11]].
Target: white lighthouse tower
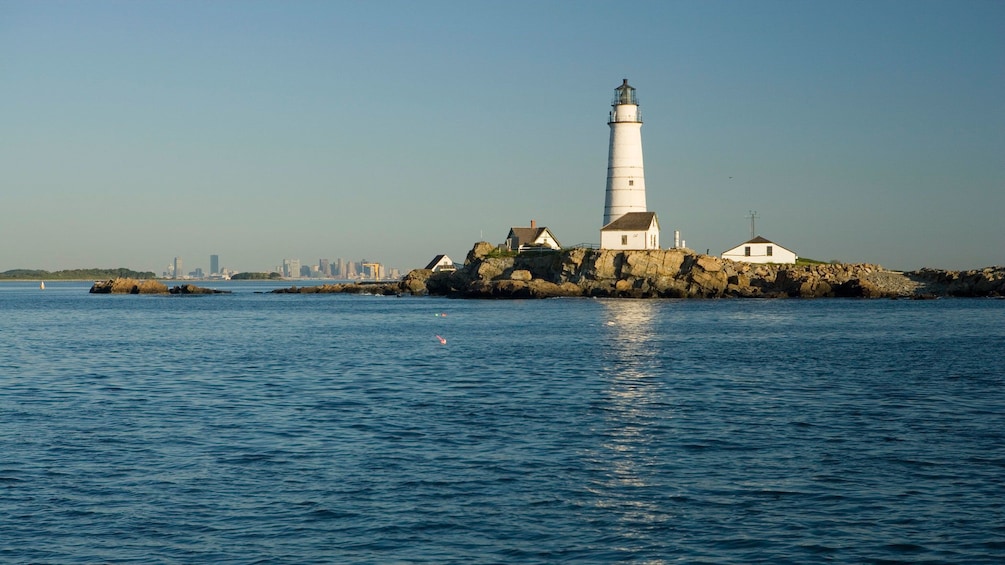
[[627, 223], [626, 180]]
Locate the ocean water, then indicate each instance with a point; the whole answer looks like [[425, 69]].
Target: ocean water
[[259, 428]]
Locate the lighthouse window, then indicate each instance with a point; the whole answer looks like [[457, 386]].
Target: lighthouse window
[[631, 183]]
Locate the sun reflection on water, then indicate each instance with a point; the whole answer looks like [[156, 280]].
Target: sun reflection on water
[[635, 407]]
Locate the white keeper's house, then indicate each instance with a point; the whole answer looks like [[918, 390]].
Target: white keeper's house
[[760, 250], [441, 263], [520, 239], [634, 230]]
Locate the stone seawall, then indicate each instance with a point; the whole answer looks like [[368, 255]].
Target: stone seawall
[[681, 273]]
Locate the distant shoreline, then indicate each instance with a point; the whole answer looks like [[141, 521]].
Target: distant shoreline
[[195, 280]]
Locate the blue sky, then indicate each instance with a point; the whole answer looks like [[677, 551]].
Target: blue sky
[[134, 132]]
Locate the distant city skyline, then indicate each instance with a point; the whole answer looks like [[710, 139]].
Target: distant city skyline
[[134, 132], [341, 268]]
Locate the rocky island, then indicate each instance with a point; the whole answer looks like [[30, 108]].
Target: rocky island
[[147, 286], [681, 273]]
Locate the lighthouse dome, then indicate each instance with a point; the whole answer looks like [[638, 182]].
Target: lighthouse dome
[[625, 94]]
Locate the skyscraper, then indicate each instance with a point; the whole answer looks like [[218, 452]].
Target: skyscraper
[[291, 268], [214, 264]]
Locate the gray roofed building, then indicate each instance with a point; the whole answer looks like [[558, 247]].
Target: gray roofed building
[[634, 230], [441, 263], [760, 250], [519, 239], [632, 221]]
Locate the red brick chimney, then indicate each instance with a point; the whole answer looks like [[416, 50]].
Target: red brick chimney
[[533, 224]]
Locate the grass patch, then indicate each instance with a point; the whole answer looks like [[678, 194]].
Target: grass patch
[[808, 261], [497, 253]]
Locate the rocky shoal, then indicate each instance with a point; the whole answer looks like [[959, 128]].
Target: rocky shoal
[[147, 286]]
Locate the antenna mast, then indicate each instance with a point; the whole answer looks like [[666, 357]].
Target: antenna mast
[[752, 216]]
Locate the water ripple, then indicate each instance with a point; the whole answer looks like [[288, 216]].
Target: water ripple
[[277, 429]]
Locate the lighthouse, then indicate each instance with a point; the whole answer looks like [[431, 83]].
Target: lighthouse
[[626, 180], [627, 223]]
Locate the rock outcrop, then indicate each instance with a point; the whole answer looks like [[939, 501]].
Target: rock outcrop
[[148, 286], [989, 281], [129, 286], [192, 289], [681, 273], [349, 288]]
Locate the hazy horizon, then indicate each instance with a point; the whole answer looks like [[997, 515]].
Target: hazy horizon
[[134, 132]]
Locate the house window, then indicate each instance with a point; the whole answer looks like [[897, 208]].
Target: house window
[[769, 251], [624, 240], [746, 251]]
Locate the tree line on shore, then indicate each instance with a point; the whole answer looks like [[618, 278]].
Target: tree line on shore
[[75, 274]]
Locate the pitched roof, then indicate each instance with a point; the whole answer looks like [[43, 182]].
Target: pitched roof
[[436, 260], [632, 221], [526, 236], [758, 239]]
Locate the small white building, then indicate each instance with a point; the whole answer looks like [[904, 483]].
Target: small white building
[[520, 239], [634, 230], [760, 250], [441, 263]]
